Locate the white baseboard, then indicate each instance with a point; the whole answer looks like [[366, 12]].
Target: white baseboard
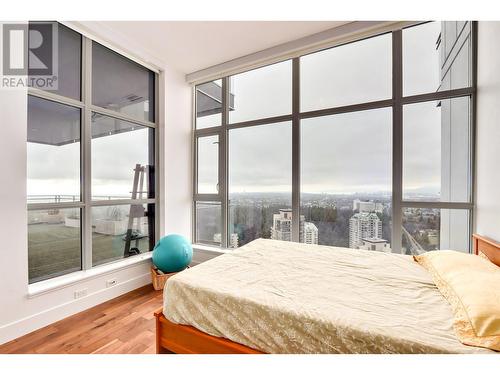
[[41, 319]]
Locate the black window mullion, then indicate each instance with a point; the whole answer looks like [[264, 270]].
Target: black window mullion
[[397, 140]]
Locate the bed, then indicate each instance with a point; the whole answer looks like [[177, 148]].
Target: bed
[[281, 297]]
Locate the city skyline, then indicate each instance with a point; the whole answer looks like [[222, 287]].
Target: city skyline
[[251, 217]]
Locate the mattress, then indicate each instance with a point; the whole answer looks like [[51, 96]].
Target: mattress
[[284, 297]]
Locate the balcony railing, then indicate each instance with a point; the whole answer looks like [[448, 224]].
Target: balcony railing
[[62, 198]]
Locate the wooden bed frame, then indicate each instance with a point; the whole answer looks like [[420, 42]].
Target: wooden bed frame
[[488, 247], [183, 339]]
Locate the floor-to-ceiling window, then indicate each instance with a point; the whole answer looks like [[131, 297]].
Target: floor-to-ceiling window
[[437, 136], [365, 145], [91, 160]]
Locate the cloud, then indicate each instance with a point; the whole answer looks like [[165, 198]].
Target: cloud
[[342, 153], [56, 169]]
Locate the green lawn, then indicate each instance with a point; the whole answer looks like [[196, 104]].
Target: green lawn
[[54, 249]]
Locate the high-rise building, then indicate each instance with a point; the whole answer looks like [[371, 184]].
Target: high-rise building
[[310, 233], [363, 225], [282, 228], [367, 206], [233, 240], [455, 48], [282, 225]]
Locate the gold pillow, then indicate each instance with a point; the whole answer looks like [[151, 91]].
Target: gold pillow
[[471, 284]]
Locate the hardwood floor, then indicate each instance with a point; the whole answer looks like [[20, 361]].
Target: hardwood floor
[[122, 325], [125, 324]]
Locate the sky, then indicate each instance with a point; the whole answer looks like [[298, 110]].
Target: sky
[[55, 169], [340, 154]]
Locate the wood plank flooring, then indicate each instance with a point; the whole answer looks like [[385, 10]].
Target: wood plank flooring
[[122, 325], [125, 324]]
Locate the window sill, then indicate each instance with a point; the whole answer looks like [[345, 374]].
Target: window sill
[[47, 286], [211, 248]]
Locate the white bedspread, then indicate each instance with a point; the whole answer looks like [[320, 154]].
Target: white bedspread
[[283, 297]]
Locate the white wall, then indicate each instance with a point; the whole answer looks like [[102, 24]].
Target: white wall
[[488, 131], [178, 149], [20, 314]]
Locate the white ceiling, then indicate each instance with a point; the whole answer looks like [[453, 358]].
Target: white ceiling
[[189, 46]]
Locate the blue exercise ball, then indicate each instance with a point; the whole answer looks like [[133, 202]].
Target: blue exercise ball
[[172, 253]]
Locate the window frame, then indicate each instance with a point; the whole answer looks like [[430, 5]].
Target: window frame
[[86, 109], [396, 102]]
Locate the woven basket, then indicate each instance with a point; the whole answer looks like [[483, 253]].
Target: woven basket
[[159, 280]]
